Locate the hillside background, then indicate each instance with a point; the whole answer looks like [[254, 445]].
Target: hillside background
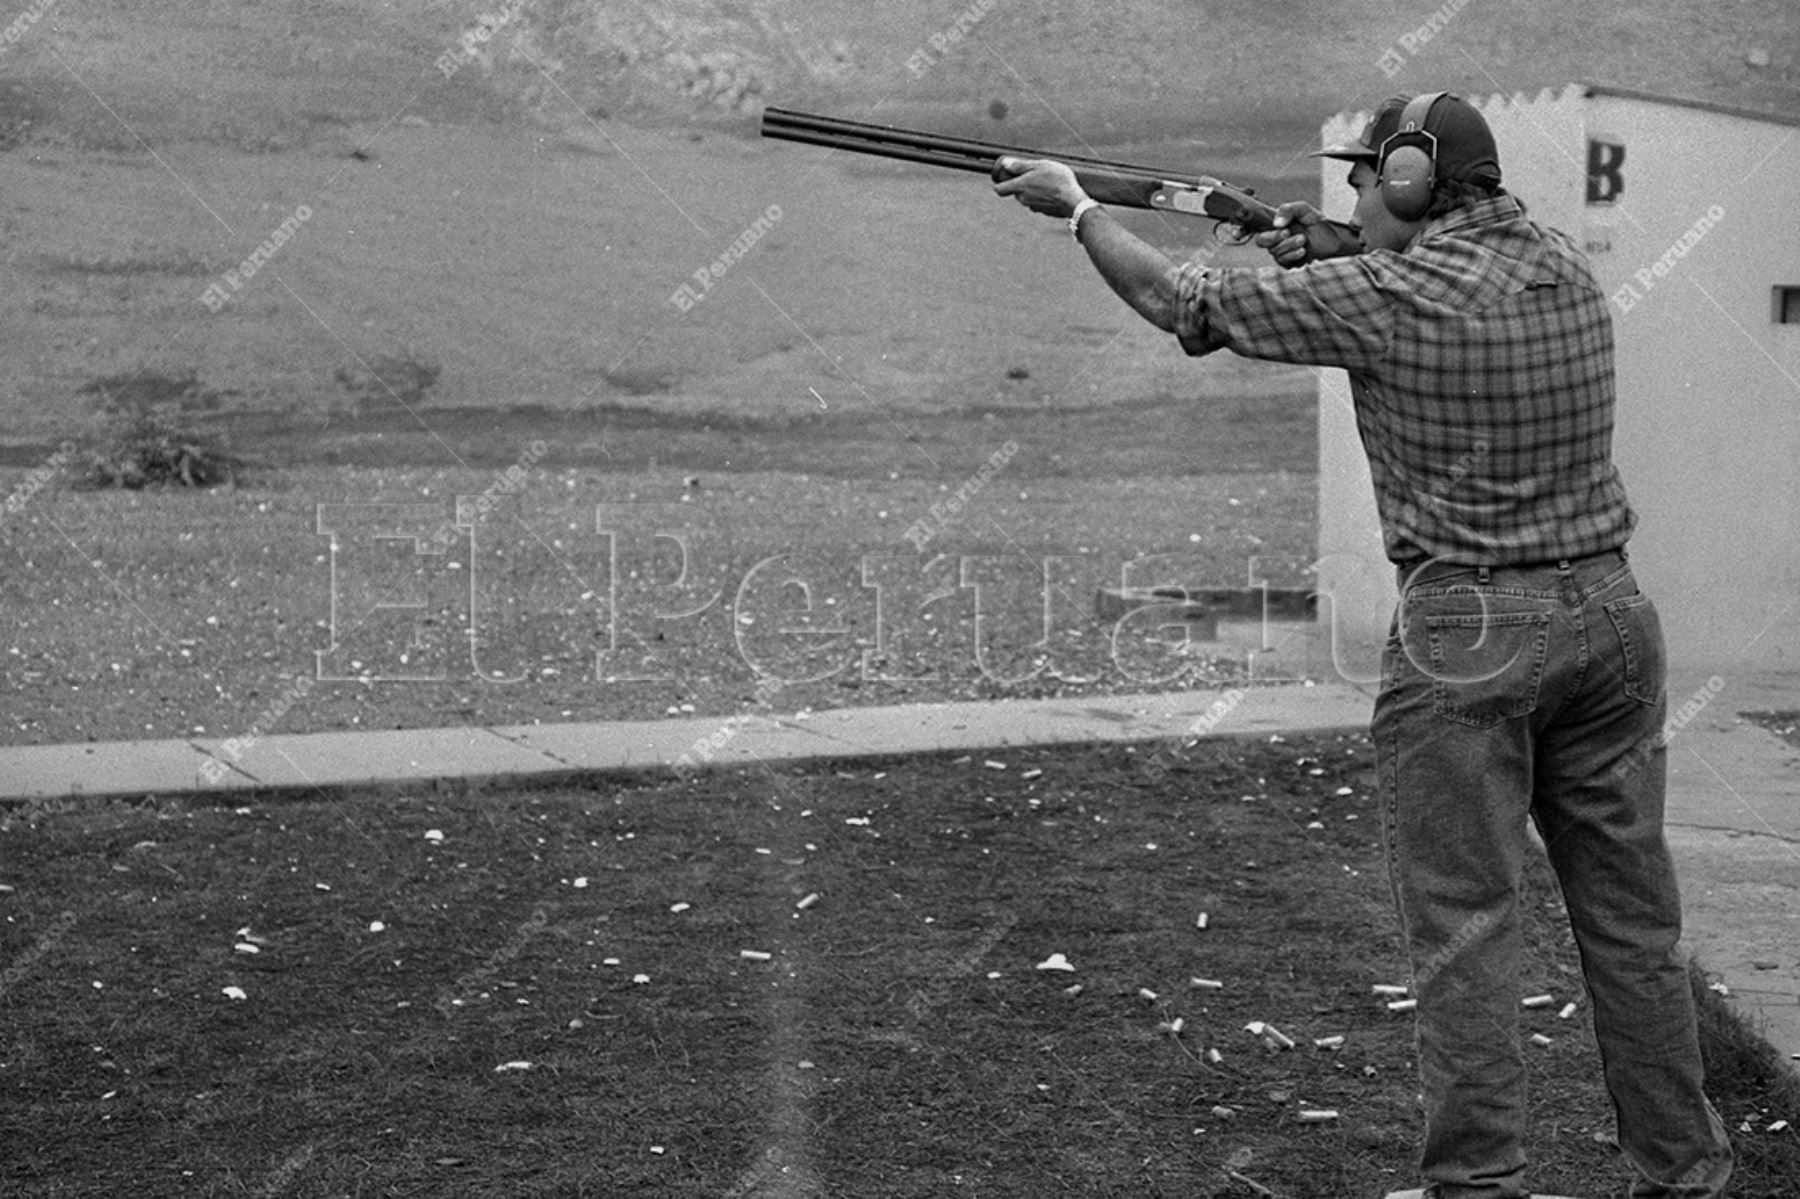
[[506, 237]]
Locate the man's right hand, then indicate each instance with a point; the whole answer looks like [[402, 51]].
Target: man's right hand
[[1302, 235]]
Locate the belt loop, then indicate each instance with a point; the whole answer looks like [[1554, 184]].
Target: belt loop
[[1482, 575], [1562, 564]]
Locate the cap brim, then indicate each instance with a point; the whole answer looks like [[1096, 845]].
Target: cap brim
[[1349, 152]]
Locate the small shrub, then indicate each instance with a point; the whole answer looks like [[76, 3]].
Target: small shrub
[[388, 376], [147, 435]]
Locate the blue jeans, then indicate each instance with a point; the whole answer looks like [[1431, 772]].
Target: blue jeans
[[1537, 692]]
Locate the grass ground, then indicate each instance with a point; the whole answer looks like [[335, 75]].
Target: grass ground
[[814, 980]]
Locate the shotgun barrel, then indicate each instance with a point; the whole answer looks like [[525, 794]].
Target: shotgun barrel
[[938, 149], [1109, 182]]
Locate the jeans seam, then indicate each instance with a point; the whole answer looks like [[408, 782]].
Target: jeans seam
[[1433, 591], [1583, 656], [1390, 801]]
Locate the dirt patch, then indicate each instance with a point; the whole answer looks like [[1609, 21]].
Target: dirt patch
[[219, 601], [1784, 724]]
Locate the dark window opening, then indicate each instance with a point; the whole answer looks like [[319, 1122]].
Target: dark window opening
[[1787, 305]]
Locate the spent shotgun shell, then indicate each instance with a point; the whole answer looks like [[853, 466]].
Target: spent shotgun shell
[[1268, 1032]]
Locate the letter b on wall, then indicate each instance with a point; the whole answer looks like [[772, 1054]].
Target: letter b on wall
[[1605, 177]]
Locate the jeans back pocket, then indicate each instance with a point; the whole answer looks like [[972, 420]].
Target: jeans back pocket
[[1639, 628], [1487, 667]]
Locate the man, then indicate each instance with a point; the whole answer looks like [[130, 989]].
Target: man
[[1524, 674]]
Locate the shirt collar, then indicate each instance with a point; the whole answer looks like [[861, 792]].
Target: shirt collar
[[1494, 211]]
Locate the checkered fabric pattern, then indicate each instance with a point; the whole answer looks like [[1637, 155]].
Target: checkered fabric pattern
[[1481, 365]]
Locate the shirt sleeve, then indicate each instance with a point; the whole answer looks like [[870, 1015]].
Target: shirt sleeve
[[1336, 312]]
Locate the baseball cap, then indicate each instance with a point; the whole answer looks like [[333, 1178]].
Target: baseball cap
[[1465, 144]]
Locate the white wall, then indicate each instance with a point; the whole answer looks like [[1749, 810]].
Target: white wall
[[1708, 431]]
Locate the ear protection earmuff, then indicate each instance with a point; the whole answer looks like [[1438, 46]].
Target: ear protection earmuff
[[1407, 169]]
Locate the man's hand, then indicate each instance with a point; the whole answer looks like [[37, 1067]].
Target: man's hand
[[1286, 242], [1299, 228], [1040, 184]]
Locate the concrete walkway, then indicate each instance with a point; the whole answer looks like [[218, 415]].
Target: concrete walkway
[[1734, 787]]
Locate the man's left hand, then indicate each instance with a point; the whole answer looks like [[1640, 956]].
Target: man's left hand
[[1040, 184]]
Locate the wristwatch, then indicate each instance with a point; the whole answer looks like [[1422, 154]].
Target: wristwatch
[[1082, 208]]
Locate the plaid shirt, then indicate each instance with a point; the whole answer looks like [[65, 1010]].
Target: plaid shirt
[[1481, 365]]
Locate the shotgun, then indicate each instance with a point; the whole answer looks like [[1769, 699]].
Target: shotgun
[[1108, 182]]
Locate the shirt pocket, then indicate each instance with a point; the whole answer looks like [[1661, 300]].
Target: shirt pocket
[[1487, 667]]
